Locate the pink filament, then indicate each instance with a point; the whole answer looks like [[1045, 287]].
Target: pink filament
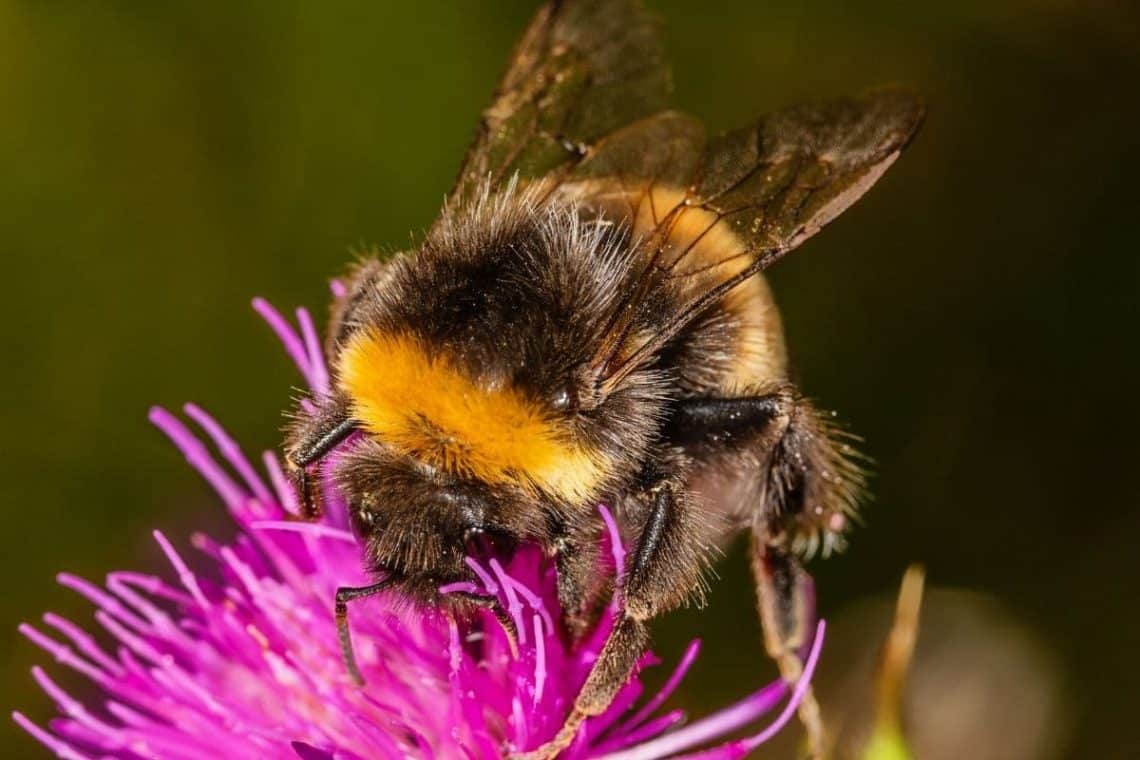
[[732, 718]]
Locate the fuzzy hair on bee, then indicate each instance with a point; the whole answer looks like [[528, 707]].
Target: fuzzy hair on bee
[[587, 322], [461, 363]]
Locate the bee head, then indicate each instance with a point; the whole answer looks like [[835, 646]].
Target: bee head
[[418, 521]]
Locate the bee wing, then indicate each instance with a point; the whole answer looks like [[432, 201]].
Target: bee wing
[[581, 106], [774, 183], [724, 208], [780, 181], [582, 69]]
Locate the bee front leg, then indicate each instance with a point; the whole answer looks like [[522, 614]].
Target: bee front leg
[[580, 589], [662, 571], [310, 440], [344, 595], [495, 606]]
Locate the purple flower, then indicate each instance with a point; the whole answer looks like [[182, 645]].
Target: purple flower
[[240, 656]]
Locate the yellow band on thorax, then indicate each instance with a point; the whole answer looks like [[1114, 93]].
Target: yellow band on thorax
[[421, 405]]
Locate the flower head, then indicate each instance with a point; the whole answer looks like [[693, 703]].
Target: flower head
[[240, 652]]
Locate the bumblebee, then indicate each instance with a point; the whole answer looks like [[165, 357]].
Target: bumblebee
[[587, 322]]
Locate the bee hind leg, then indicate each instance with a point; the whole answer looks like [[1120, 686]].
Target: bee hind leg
[[784, 601], [806, 488], [809, 487]]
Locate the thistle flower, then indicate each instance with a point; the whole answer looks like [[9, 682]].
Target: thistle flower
[[241, 656]]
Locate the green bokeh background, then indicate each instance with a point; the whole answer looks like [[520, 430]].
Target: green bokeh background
[[974, 317]]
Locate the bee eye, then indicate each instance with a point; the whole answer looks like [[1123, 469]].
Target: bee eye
[[565, 399]]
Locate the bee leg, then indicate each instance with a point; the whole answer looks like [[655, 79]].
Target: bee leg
[[808, 486], [612, 669], [784, 601], [495, 606], [318, 437], [308, 494], [344, 595], [661, 571], [579, 590]]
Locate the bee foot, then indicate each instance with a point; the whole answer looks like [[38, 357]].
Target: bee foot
[[561, 741]]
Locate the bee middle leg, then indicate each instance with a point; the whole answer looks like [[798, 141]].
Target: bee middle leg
[[661, 571], [493, 605]]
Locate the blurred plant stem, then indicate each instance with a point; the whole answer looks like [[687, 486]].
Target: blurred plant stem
[[888, 741]]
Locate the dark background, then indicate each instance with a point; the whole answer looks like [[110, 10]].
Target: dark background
[[974, 318]]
